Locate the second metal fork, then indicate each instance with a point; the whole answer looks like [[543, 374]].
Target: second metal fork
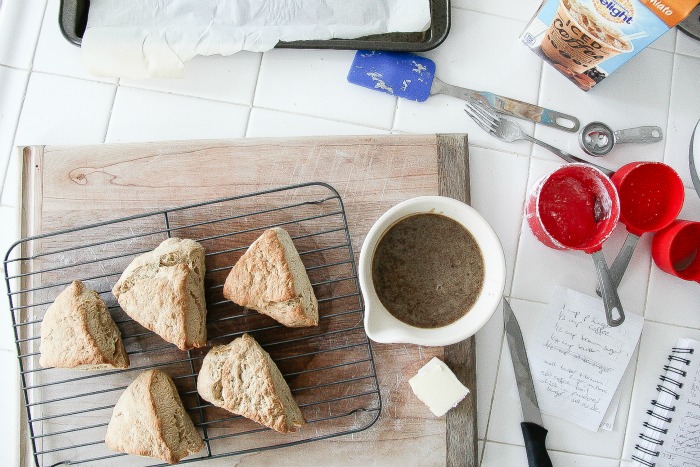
[[509, 131]]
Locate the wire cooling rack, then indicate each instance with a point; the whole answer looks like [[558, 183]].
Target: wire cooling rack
[[329, 368]]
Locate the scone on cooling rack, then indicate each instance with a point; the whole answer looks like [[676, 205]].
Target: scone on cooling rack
[[271, 279], [163, 290], [150, 420], [78, 332], [242, 378]]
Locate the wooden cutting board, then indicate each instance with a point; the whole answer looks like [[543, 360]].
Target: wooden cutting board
[[65, 187]]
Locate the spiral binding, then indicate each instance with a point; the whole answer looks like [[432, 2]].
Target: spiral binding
[[666, 379], [668, 386], [649, 439], [658, 404], [668, 391], [678, 359], [673, 369], [659, 417]]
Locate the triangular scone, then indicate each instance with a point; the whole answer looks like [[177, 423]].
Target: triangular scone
[[150, 420], [242, 378], [270, 278], [78, 332], [163, 290]]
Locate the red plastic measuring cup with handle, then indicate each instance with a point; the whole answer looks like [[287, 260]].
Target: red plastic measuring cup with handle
[[576, 207], [676, 249], [651, 196]]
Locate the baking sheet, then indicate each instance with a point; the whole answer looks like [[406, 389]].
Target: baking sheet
[[691, 25], [73, 16]]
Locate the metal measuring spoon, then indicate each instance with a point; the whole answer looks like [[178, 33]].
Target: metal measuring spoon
[[598, 139]]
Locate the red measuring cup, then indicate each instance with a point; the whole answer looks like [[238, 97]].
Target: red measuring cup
[[676, 249], [651, 196], [576, 207]]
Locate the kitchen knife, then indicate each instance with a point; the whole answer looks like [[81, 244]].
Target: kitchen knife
[[693, 168], [534, 432], [413, 77]]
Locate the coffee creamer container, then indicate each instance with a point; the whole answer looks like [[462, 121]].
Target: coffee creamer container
[[586, 40]]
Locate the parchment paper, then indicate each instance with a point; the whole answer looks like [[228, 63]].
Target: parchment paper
[[154, 38]]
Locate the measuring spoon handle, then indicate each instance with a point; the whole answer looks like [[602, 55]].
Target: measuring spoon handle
[[566, 156], [611, 300], [640, 134], [619, 265], [622, 260]]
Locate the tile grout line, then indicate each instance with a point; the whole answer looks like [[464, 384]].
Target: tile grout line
[[646, 295], [510, 296], [38, 36], [539, 103], [329, 119], [493, 394], [30, 70], [503, 443], [682, 326], [139, 88], [5, 175], [95, 80], [393, 128], [16, 68], [646, 320], [670, 94], [252, 98], [23, 443], [488, 13], [629, 407], [520, 232], [501, 150], [111, 111]]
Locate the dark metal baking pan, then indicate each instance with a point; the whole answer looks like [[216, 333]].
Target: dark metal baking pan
[[73, 16], [691, 25]]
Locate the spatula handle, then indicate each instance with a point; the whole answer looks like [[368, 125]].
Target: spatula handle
[[513, 107]]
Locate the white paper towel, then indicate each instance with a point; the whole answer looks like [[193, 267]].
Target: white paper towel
[[154, 38]]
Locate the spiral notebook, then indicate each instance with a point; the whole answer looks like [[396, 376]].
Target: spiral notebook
[[671, 435]]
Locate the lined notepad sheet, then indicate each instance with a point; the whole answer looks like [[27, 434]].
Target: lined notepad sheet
[[578, 361]]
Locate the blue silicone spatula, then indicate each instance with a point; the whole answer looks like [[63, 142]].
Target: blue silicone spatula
[[412, 77]]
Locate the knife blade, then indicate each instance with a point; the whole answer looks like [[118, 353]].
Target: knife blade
[[693, 169], [534, 432]]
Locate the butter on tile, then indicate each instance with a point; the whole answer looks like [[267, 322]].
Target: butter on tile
[[437, 387]]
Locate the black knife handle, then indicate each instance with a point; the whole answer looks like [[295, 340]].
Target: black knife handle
[[534, 436]]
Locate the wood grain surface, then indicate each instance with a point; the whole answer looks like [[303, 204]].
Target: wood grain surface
[[453, 181], [64, 187]]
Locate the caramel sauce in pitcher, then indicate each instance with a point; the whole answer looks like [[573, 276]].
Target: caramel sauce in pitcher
[[428, 270]]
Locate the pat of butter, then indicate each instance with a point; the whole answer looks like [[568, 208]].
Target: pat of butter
[[437, 387]]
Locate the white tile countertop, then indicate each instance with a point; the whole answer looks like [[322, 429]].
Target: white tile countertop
[[46, 97]]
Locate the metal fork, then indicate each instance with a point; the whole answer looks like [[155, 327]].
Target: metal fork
[[509, 131]]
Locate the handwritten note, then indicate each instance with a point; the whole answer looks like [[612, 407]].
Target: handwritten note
[[577, 360], [608, 423]]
